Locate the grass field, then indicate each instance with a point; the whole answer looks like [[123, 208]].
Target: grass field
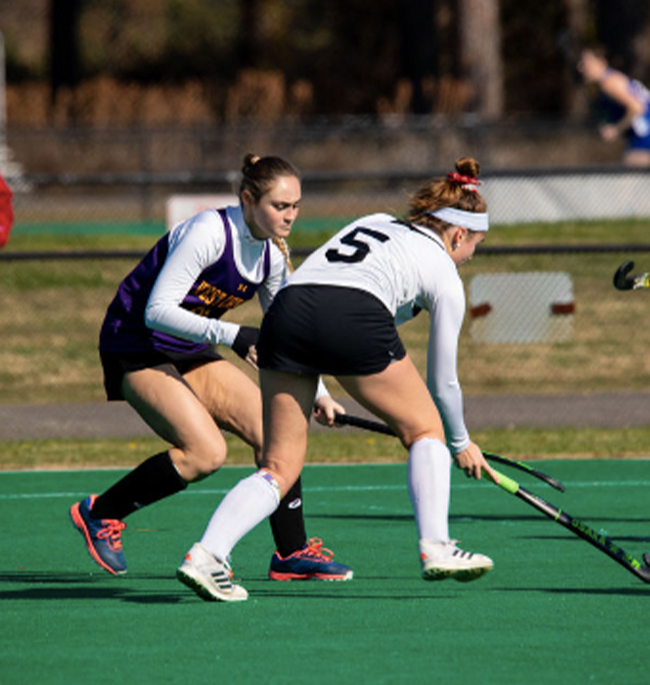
[[50, 313], [554, 610]]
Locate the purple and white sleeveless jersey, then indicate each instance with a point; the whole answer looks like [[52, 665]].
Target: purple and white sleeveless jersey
[[172, 301]]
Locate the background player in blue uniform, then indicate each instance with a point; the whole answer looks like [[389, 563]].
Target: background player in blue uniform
[[158, 346], [627, 102]]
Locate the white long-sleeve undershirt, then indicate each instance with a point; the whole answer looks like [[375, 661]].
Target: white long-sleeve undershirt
[[194, 245]]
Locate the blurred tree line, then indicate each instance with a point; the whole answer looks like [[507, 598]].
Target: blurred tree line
[[302, 58]]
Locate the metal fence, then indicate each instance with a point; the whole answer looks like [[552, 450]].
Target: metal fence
[[516, 196], [72, 174]]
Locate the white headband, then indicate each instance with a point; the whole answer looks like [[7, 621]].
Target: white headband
[[475, 221]]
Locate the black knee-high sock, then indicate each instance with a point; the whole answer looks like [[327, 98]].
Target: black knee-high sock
[[155, 479], [288, 524]]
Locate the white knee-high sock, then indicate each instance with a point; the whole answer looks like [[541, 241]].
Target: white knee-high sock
[[429, 482], [247, 504]]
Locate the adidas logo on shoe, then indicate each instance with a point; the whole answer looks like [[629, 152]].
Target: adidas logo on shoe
[[442, 560]]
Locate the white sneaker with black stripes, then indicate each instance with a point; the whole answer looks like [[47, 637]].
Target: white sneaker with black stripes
[[442, 560], [209, 577]]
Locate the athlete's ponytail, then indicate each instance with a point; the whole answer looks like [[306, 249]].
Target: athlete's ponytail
[[281, 244], [457, 190]]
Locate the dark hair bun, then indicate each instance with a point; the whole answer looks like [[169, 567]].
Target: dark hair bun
[[467, 166], [249, 160]]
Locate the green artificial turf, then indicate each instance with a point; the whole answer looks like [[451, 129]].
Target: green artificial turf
[[554, 610]]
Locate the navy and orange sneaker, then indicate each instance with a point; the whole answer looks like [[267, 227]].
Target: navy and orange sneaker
[[103, 536], [312, 562]]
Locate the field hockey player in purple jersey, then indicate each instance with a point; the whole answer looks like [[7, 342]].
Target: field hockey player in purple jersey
[[159, 351], [337, 315]]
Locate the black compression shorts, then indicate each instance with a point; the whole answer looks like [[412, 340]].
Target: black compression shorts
[[115, 365], [333, 330]]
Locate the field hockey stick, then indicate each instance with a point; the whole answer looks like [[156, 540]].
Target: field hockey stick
[[641, 569], [375, 426], [635, 282]]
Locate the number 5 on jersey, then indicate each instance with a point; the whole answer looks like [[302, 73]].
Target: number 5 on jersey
[[361, 246]]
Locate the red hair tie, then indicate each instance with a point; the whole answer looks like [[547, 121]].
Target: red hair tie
[[463, 180]]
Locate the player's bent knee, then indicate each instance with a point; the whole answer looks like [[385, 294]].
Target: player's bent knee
[[286, 471], [198, 467], [410, 438], [211, 463]]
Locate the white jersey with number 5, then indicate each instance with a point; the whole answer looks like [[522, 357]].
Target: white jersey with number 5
[[408, 269]]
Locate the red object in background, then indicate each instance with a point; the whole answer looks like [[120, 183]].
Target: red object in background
[[6, 212]]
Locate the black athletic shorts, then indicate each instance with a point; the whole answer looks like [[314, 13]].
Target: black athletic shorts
[[333, 330], [116, 364]]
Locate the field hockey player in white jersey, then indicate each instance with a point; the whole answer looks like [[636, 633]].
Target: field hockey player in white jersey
[[337, 315], [159, 346]]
